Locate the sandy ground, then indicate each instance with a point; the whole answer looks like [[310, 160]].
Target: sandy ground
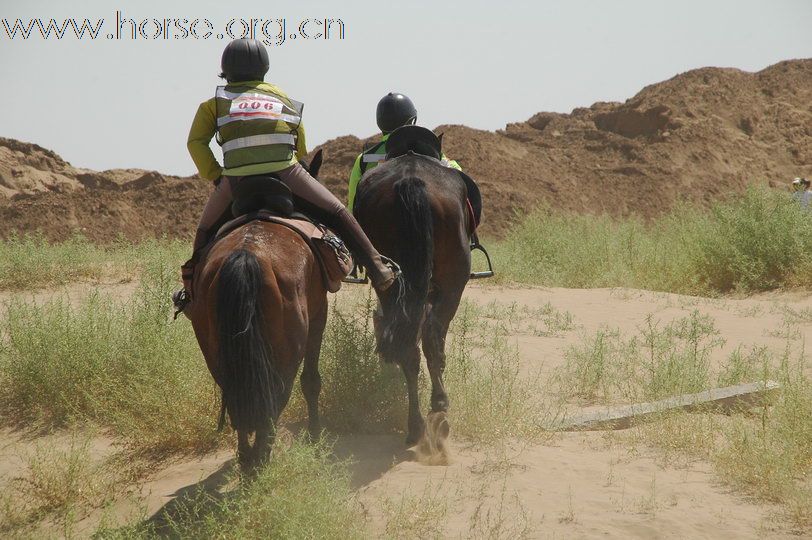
[[574, 485]]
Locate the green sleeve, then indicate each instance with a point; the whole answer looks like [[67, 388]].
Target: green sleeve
[[301, 144], [451, 163], [355, 177], [203, 129]]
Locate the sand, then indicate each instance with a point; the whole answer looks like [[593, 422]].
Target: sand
[[571, 485]]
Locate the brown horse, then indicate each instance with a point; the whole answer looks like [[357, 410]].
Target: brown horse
[[414, 210], [259, 309]]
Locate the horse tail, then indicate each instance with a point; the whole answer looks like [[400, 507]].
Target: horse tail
[[415, 222], [248, 381]]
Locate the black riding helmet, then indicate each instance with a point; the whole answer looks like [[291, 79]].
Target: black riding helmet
[[244, 60], [395, 110]]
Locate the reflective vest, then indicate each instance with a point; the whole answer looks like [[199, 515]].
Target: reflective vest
[[373, 155], [255, 126]]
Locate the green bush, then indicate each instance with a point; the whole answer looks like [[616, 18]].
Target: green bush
[[756, 242], [302, 493], [123, 365], [30, 261], [359, 393]]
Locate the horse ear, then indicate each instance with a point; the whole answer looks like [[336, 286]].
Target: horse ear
[[315, 164], [440, 138]]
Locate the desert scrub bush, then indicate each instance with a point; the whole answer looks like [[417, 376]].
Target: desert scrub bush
[[413, 514], [751, 243], [597, 368], [30, 261], [754, 243], [117, 364], [764, 449], [543, 321], [303, 493], [569, 250], [491, 398], [60, 485], [658, 361], [742, 366], [360, 394], [769, 454]]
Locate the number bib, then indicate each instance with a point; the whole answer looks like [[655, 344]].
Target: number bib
[[249, 106]]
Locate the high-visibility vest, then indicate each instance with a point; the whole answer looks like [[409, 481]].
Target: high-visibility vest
[[255, 126], [376, 154], [373, 155]]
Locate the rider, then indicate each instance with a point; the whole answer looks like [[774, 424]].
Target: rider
[[394, 110], [801, 192], [260, 131]]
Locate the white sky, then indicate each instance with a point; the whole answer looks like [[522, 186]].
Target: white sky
[[124, 103]]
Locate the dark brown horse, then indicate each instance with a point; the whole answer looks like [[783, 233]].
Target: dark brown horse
[[414, 210], [259, 309]]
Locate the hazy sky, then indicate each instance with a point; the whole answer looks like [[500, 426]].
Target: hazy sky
[[108, 103]]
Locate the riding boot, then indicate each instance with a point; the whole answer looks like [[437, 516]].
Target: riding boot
[[182, 297], [382, 271]]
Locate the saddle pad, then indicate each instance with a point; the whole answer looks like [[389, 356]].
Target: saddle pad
[[332, 255]]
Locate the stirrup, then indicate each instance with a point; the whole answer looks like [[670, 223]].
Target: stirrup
[[180, 299], [476, 246], [352, 277]]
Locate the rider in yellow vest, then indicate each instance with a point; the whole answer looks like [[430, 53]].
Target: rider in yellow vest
[[394, 110], [260, 131]]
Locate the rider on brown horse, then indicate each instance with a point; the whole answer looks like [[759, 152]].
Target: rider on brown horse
[[260, 131]]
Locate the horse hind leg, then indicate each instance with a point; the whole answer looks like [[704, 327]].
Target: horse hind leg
[[434, 349], [435, 329], [264, 440], [261, 451], [410, 365], [310, 379], [244, 450], [253, 456]]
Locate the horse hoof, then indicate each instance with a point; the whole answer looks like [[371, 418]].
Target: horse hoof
[[412, 439], [433, 448], [439, 405]]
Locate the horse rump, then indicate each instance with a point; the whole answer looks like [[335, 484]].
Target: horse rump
[[249, 383]]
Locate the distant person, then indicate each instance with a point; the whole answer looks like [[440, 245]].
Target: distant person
[[394, 110], [801, 192], [260, 131]]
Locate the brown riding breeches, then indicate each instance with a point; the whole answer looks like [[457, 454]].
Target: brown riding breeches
[[330, 212], [296, 178]]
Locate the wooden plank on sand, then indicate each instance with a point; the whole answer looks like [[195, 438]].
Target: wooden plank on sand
[[741, 395]]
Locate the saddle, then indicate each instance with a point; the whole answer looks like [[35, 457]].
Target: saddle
[[266, 198], [423, 141]]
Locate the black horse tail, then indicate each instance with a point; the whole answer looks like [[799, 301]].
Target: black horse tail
[[415, 225], [249, 383]]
